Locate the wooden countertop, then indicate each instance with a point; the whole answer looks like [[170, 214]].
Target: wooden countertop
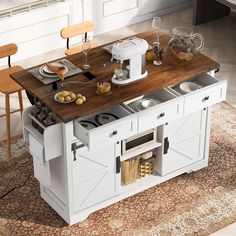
[[158, 78]]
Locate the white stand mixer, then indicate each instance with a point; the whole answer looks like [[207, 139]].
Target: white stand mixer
[[132, 56]]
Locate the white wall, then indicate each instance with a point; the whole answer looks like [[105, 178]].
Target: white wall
[[112, 14], [38, 31]]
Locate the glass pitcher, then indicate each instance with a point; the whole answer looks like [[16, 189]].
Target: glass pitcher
[[182, 47]]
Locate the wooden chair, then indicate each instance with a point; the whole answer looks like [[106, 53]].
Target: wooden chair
[[75, 30], [9, 86]]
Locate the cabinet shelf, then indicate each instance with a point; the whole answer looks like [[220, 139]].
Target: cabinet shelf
[[137, 152]]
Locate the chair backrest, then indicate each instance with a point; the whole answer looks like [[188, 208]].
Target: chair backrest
[[77, 29], [8, 50]]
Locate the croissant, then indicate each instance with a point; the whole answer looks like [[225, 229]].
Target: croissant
[[59, 70]]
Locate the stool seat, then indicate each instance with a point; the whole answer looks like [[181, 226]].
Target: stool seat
[[7, 84]]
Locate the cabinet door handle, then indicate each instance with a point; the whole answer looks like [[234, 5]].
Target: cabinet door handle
[[162, 114], [166, 145], [205, 98], [114, 132], [118, 165]]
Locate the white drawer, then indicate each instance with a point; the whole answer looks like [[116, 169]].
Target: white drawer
[[168, 108], [160, 114], [114, 131], [211, 92]]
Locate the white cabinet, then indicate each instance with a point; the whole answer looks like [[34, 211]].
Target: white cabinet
[[136, 150], [183, 142], [94, 176]]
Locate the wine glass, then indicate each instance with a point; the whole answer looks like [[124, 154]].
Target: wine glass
[[156, 25], [85, 49]]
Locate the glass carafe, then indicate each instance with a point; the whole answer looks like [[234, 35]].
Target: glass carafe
[[183, 45]]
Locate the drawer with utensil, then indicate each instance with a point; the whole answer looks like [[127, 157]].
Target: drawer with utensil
[[110, 125], [200, 92], [156, 109]]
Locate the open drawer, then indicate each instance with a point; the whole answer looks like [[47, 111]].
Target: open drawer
[[210, 91], [51, 141], [165, 107], [110, 125]]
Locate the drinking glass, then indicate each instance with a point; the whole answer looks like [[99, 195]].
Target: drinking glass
[[85, 49], [156, 25]]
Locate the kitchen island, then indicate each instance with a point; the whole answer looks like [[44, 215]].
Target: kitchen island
[[83, 169]]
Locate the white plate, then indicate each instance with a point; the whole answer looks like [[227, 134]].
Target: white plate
[[55, 98], [148, 102], [187, 87], [45, 71]]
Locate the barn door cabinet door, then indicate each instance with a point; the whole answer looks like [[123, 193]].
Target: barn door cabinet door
[[94, 176], [184, 141]]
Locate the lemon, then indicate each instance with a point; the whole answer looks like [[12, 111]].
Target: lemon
[[83, 98], [79, 101], [72, 95], [68, 98], [64, 93], [150, 56], [79, 95], [189, 56], [61, 99]]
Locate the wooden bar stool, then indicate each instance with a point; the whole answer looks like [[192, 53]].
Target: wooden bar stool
[[8, 86], [75, 30]]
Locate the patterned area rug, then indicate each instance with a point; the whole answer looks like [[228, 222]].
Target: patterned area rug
[[191, 204]]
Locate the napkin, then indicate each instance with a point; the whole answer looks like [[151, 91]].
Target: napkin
[[59, 70]]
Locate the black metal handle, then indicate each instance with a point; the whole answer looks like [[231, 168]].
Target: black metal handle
[[74, 152], [217, 70], [166, 145], [206, 98], [114, 132], [118, 165], [74, 147], [162, 114]]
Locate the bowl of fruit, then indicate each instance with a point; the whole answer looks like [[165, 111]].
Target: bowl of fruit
[[65, 97]]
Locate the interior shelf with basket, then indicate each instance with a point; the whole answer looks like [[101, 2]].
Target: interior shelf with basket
[[139, 167]]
